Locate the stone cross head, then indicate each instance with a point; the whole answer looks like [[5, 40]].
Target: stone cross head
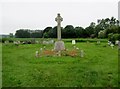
[[58, 19]]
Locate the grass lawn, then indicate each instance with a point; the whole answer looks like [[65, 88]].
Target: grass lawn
[[98, 68]]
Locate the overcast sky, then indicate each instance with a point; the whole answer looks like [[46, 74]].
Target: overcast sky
[[34, 14]]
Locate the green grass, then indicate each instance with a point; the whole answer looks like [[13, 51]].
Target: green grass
[[0, 65], [98, 68]]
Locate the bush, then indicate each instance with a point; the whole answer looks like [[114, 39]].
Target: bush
[[110, 36], [116, 36], [7, 39], [101, 34], [113, 37], [4, 39], [10, 40]]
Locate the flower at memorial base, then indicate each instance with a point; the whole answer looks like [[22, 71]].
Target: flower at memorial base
[[48, 53], [72, 53]]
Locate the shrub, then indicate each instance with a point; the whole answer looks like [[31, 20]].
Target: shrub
[[116, 36], [4, 39], [10, 40], [113, 37], [110, 35], [101, 34]]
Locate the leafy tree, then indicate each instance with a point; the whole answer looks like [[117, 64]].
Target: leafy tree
[[79, 32], [46, 32], [89, 31], [113, 37], [37, 34], [11, 35], [47, 29], [101, 34], [68, 32], [52, 33], [22, 33]]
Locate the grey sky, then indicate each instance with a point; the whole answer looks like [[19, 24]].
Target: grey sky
[[38, 15]]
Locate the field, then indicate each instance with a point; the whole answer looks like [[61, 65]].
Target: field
[[98, 67]]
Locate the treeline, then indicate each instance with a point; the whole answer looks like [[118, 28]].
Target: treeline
[[27, 33], [104, 28]]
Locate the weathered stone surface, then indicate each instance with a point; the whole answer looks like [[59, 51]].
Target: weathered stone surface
[[73, 42], [59, 45], [59, 19]]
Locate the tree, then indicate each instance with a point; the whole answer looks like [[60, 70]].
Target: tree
[[101, 34], [68, 32], [47, 29], [53, 32], [79, 32], [11, 35], [37, 34], [89, 31], [46, 32], [22, 33]]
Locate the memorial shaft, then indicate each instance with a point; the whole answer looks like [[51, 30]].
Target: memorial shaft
[[58, 19], [59, 31]]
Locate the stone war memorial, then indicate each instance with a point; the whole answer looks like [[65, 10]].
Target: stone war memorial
[[59, 44]]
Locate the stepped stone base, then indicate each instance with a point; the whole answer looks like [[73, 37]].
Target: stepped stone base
[[59, 46]]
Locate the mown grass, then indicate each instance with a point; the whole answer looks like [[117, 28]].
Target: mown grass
[[98, 68]]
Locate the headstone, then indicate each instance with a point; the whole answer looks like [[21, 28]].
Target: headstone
[[45, 42], [51, 41], [16, 43], [73, 42], [36, 42], [59, 44], [109, 43], [41, 49], [74, 47], [112, 45], [77, 48], [116, 42], [48, 42], [81, 53], [6, 42], [37, 54], [44, 47]]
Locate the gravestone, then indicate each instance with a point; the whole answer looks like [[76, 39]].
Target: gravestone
[[6, 42], [37, 54], [112, 45], [59, 44], [109, 43], [44, 47], [116, 42], [41, 50], [73, 42], [81, 53], [48, 42]]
